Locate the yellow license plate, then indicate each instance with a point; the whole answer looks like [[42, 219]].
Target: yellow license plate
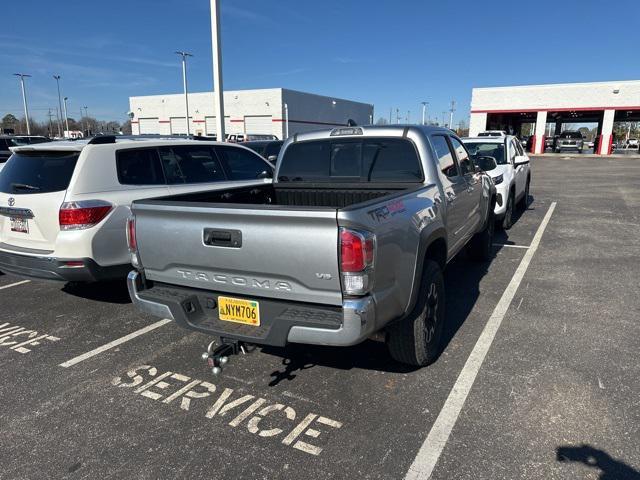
[[239, 310]]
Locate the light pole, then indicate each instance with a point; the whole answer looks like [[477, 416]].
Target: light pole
[[24, 99], [184, 56], [443, 119], [424, 111], [66, 118], [57, 77], [86, 117], [453, 109], [286, 121], [216, 48]]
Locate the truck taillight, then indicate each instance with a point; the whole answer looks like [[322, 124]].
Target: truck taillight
[[132, 242], [82, 214], [357, 252], [131, 234]]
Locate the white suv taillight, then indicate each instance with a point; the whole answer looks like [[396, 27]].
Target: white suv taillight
[[357, 252], [132, 242], [82, 214]]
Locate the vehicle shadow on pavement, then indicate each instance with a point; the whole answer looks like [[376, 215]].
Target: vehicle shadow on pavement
[[114, 291], [609, 467], [502, 236], [462, 276]]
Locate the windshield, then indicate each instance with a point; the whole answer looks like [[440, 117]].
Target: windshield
[[351, 161], [37, 172], [574, 135], [488, 149]]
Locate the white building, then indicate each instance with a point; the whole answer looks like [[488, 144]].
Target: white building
[[551, 106], [246, 111]]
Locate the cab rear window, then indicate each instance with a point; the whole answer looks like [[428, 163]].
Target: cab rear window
[[37, 172], [351, 161]]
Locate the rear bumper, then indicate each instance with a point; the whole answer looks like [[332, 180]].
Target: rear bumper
[[282, 322], [50, 268]]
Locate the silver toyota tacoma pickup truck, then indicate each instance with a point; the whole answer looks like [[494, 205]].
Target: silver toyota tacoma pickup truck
[[349, 240]]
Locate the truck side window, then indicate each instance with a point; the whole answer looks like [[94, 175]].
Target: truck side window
[[242, 164], [444, 156], [466, 165]]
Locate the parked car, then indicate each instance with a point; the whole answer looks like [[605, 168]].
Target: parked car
[[268, 149], [30, 139], [64, 205], [493, 133], [569, 140], [550, 142], [6, 142], [247, 137], [512, 175], [350, 239]]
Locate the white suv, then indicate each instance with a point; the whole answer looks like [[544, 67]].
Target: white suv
[[64, 205], [512, 175]]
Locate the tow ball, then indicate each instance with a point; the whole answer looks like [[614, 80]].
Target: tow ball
[[218, 357]]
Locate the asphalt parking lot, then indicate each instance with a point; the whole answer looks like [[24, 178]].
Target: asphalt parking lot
[[539, 379]]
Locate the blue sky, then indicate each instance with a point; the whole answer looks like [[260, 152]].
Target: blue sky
[[393, 54]]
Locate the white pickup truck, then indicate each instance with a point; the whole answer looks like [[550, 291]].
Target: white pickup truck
[[512, 175]]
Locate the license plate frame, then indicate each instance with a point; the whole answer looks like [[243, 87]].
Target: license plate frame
[[19, 224], [239, 310]]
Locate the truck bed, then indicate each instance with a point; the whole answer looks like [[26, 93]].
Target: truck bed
[[300, 195]]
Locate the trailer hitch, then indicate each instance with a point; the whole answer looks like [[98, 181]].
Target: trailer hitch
[[218, 357]]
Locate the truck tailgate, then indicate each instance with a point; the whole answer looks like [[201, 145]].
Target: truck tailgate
[[290, 254]]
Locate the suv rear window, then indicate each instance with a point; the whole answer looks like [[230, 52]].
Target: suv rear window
[[38, 172], [351, 161]]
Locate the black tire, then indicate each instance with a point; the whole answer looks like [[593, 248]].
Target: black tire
[[481, 245], [507, 220], [524, 201], [416, 339]]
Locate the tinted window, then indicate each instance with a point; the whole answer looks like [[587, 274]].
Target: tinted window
[[384, 159], [5, 143], [186, 164], [466, 165], [139, 167], [573, 135], [392, 161], [272, 149], [38, 172], [444, 156], [481, 149], [242, 164]]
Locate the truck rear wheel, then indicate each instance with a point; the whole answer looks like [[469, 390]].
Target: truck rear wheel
[[416, 340]]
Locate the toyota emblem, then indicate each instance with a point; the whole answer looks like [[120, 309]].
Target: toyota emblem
[[12, 201]]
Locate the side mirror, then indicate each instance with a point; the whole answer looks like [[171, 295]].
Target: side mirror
[[272, 158], [486, 163], [521, 160], [265, 174]]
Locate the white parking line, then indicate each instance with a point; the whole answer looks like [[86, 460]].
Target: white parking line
[[510, 245], [430, 451], [15, 284], [115, 343]]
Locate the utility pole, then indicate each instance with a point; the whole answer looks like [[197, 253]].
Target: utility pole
[[443, 119], [86, 116], [390, 115], [50, 124], [397, 115], [57, 77], [66, 119], [24, 99], [82, 121], [408, 116], [216, 48], [453, 109], [184, 56], [424, 111]]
